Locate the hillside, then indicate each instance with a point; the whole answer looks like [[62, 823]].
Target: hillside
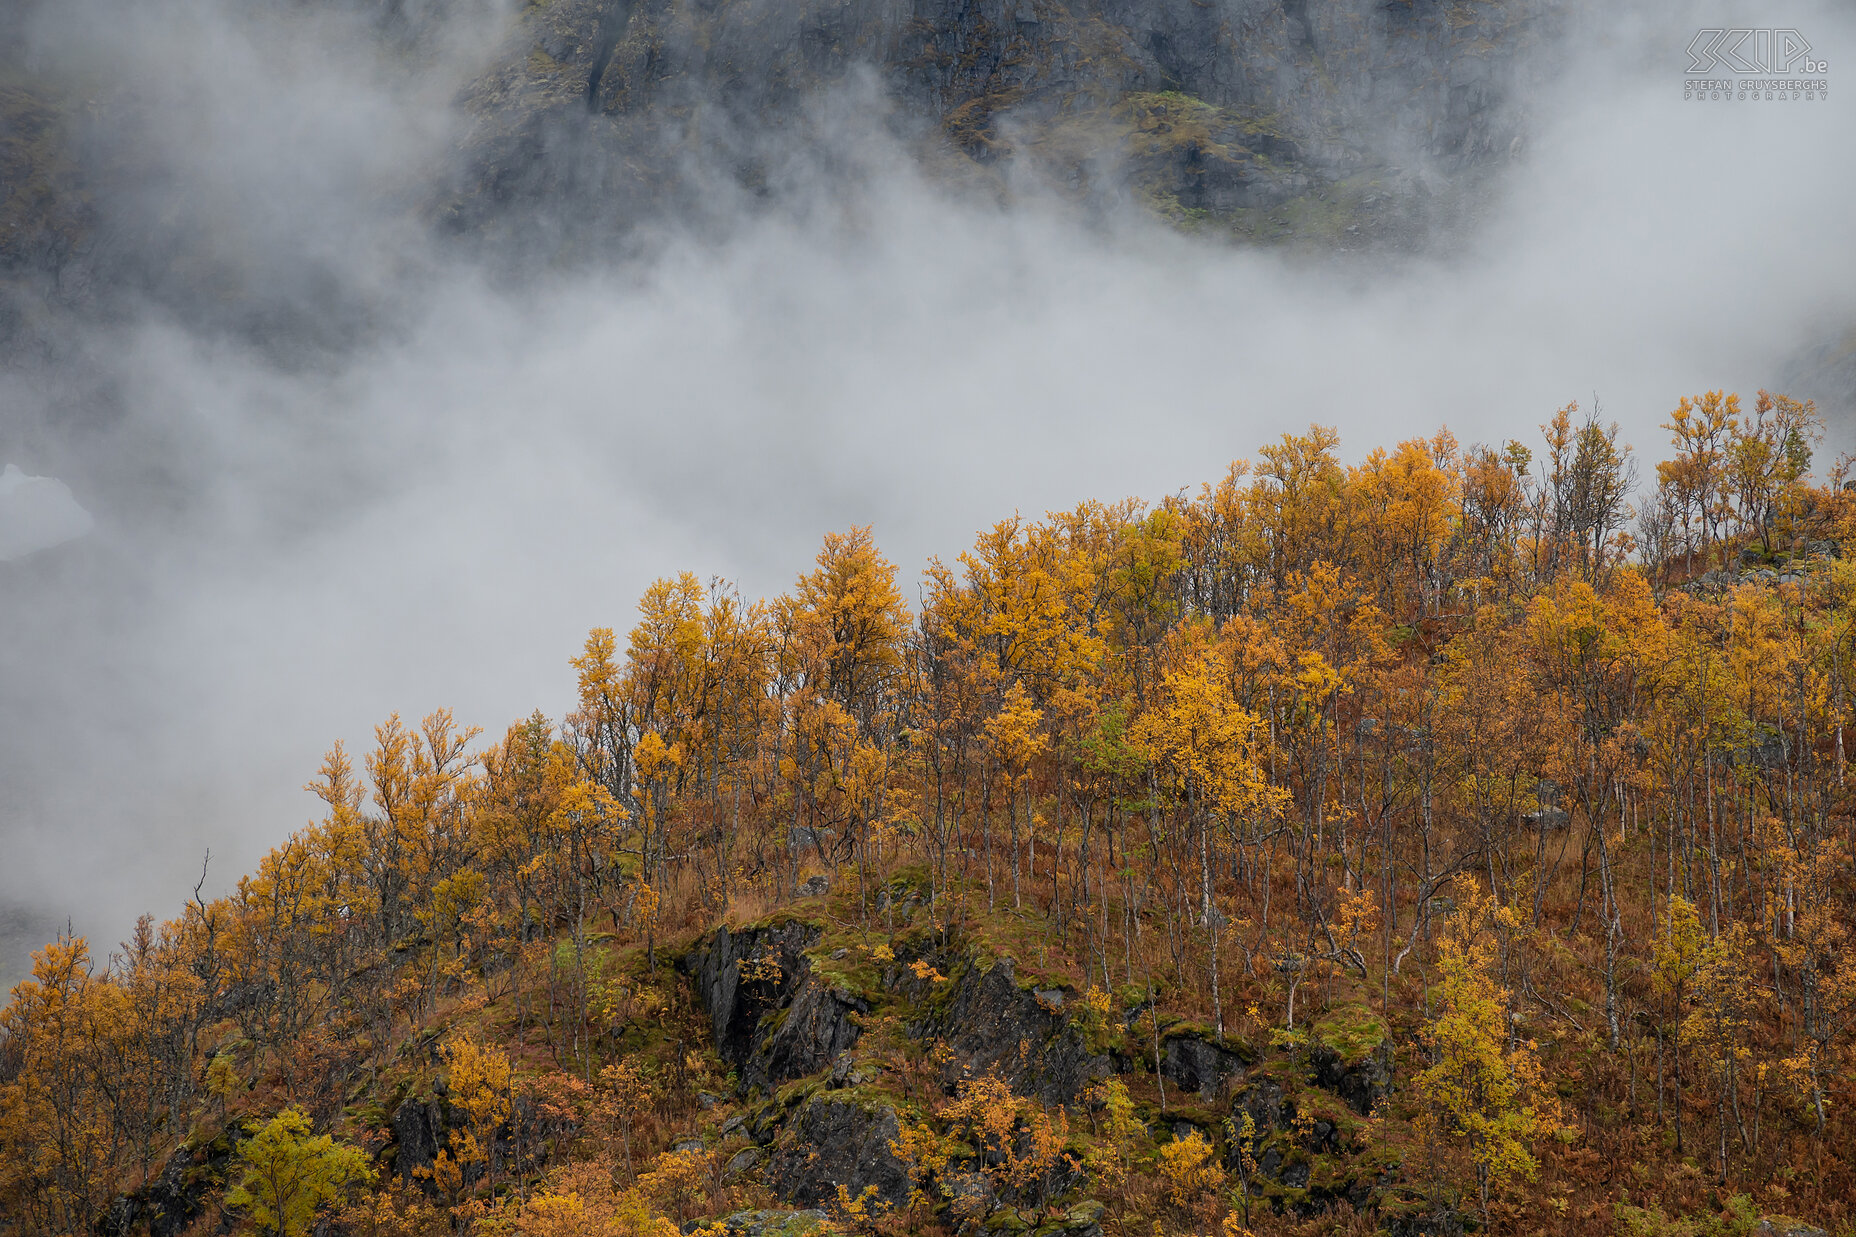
[[1405, 846]]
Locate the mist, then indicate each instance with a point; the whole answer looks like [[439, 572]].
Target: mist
[[404, 478]]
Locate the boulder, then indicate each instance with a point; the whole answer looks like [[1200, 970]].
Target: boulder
[[741, 1163], [1548, 819], [1439, 1222], [420, 1128], [1264, 1102]]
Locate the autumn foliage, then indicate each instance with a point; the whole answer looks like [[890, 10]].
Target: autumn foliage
[[1532, 784]]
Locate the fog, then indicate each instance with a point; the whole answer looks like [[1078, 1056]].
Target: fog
[[408, 479]]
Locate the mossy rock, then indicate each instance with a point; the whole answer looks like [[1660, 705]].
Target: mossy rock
[[1006, 1220], [1351, 1031]]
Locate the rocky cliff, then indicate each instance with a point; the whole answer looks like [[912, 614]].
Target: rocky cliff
[[1222, 110], [838, 1046]]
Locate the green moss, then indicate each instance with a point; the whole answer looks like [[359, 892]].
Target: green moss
[[1351, 1031], [1199, 1030], [794, 1225], [1161, 1121]]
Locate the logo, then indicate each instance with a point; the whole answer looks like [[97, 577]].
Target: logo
[[1747, 64], [1742, 50]]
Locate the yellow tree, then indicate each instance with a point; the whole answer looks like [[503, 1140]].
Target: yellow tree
[[1494, 500], [1479, 1096], [58, 1146], [1678, 955], [1298, 499], [1209, 743], [1189, 1166], [1768, 456], [600, 724], [1017, 1142], [1014, 736], [1818, 950], [843, 633], [1603, 655], [479, 1083], [1721, 1023], [286, 1174], [1405, 506], [1694, 481]]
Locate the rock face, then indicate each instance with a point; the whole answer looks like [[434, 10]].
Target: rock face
[[833, 1141], [774, 1020], [1785, 1226], [1215, 105], [833, 1102], [991, 1023], [1196, 1064], [420, 1129], [1361, 1083], [170, 1203]]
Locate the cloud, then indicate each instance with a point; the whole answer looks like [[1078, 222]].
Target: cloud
[[417, 484], [37, 513]]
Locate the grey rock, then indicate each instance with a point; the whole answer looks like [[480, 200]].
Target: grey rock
[[773, 1223], [772, 1029], [1216, 105], [420, 1128], [1785, 1226], [831, 1142], [1263, 1101], [1548, 819], [1441, 1222], [1195, 1064], [1084, 1219], [741, 1163], [848, 1071], [178, 1195], [1361, 1083], [990, 1022], [813, 839], [900, 903]]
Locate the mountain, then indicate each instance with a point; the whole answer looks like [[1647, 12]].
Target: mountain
[[575, 123]]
